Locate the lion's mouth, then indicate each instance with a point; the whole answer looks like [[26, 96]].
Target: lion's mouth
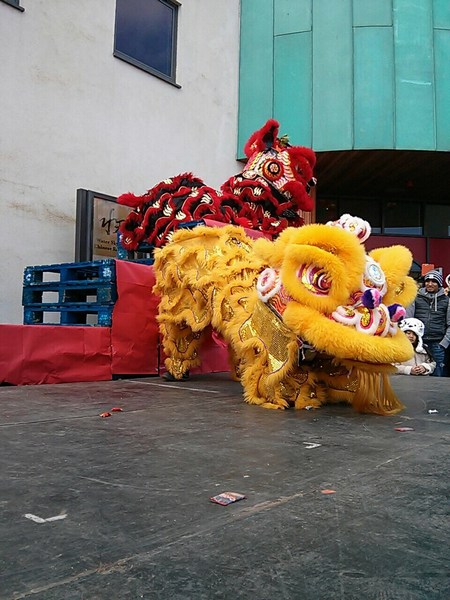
[[364, 329], [371, 321], [358, 342]]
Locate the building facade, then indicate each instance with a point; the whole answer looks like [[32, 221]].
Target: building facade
[[76, 114], [366, 85]]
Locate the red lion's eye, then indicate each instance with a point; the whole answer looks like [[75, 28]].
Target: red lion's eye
[[272, 170]]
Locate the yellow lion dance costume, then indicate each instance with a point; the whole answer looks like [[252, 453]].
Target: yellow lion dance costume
[[309, 318]]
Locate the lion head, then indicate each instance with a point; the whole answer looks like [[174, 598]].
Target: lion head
[[336, 297]]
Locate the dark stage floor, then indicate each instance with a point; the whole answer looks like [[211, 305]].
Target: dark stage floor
[[105, 508]]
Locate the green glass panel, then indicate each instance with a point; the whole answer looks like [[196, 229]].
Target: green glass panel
[[292, 92], [372, 12], [333, 75], [441, 14], [256, 68], [292, 16], [414, 75], [442, 62], [374, 94]]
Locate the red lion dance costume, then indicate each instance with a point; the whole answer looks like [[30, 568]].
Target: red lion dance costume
[[308, 317], [267, 196]]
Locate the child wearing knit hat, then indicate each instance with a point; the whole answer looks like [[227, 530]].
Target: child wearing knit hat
[[422, 363]]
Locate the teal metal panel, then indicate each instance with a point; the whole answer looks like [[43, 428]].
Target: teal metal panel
[[292, 92], [256, 68], [441, 14], [374, 89], [333, 75], [442, 62], [292, 17], [414, 78], [372, 12], [334, 86]]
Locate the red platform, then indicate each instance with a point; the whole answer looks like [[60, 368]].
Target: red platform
[[134, 330], [35, 354], [32, 354]]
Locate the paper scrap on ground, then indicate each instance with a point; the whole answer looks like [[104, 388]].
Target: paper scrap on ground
[[227, 498], [37, 519], [309, 445]]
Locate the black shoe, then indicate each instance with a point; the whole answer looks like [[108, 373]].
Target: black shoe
[[169, 377]]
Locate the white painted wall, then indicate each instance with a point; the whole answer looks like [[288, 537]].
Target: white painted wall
[[73, 116]]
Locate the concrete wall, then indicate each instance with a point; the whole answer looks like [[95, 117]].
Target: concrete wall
[[73, 116]]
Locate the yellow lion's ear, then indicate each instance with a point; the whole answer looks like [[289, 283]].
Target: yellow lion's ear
[[396, 263], [272, 253]]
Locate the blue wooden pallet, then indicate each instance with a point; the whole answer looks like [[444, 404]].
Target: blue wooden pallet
[[98, 270], [69, 314], [143, 255], [74, 290], [191, 224], [79, 292], [144, 252]]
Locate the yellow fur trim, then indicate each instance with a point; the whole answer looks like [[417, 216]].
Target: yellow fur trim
[[374, 394], [273, 252]]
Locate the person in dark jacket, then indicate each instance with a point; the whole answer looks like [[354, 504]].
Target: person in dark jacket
[[432, 307]]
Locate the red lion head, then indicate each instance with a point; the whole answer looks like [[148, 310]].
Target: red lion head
[[288, 169]]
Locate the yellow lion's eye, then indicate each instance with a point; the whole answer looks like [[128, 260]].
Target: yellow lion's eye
[[314, 279]]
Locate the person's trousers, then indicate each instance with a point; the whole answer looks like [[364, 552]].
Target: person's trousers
[[438, 353]]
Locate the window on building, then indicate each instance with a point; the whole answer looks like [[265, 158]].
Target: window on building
[[14, 3], [146, 35], [437, 220], [331, 210], [326, 210], [369, 210], [403, 218]]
